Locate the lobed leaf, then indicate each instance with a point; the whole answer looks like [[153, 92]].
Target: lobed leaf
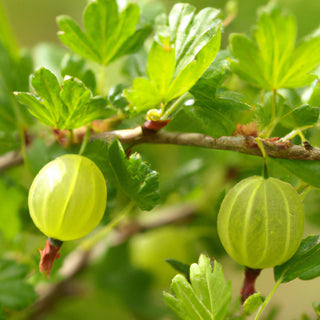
[[216, 117], [185, 46], [305, 264], [306, 170], [138, 181], [68, 106], [191, 32], [271, 61], [108, 34], [219, 70], [188, 76], [143, 95], [161, 67], [207, 296], [15, 293], [304, 59], [14, 75]]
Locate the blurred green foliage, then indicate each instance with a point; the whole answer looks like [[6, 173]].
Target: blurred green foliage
[[126, 283]]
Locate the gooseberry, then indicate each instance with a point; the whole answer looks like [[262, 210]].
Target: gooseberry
[[260, 222], [67, 198]]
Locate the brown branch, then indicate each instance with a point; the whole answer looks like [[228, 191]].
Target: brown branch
[[273, 147], [79, 259], [10, 159]]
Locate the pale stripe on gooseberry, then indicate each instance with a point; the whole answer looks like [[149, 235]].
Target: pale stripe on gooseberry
[[247, 217], [68, 195]]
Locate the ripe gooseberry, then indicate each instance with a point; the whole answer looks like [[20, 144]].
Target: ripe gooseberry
[[67, 198], [260, 222]]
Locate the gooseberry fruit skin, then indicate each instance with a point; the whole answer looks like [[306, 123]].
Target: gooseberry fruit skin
[[260, 222], [67, 198]]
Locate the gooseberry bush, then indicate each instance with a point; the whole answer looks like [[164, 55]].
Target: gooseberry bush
[[110, 109]]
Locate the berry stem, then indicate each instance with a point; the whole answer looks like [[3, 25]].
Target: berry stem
[[49, 254], [264, 155], [249, 281], [267, 300]]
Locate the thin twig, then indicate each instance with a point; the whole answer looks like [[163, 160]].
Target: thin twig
[[79, 259], [273, 148], [10, 159]]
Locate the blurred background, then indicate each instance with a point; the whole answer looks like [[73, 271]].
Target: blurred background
[[127, 281], [34, 20]]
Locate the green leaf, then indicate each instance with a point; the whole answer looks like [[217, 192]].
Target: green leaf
[[185, 46], [306, 170], [288, 116], [8, 141], [68, 106], [271, 61], [161, 66], [135, 177], [143, 95], [75, 67], [2, 315], [305, 58], [116, 99], [301, 116], [39, 153], [14, 75], [47, 87], [206, 298], [252, 303], [135, 65], [96, 108], [109, 34], [97, 151], [188, 76], [217, 117], [74, 96], [15, 293], [316, 307], [305, 264], [201, 28], [249, 65], [219, 70], [180, 267], [10, 204], [6, 35], [314, 99], [36, 108], [135, 42]]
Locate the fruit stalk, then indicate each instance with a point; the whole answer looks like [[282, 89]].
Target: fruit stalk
[[48, 255], [250, 277]]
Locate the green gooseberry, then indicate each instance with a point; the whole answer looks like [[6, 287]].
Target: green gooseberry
[[260, 222], [67, 198]]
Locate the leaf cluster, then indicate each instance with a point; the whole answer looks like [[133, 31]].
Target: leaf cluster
[[272, 60], [177, 59], [109, 34]]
